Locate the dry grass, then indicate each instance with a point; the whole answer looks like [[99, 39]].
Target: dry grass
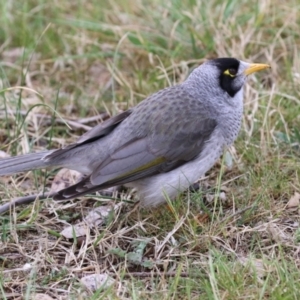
[[238, 238]]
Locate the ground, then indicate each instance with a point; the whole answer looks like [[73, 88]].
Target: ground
[[66, 66]]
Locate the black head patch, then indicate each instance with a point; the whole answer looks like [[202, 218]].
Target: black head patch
[[227, 81]]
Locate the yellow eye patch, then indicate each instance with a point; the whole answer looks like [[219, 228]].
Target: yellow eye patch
[[230, 72]]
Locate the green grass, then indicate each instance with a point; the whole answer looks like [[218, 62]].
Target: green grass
[[78, 59]]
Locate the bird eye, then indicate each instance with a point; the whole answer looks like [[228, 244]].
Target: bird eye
[[231, 72]]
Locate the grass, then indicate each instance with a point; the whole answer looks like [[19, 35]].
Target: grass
[[236, 238]]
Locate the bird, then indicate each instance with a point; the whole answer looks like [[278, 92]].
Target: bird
[[162, 145]]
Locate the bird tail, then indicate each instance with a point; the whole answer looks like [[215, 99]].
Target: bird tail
[[23, 163]]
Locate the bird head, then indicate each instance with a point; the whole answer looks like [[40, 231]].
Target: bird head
[[232, 73], [220, 81]]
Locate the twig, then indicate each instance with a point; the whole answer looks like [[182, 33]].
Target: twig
[[239, 212], [48, 119], [43, 196], [79, 124], [100, 117], [150, 274], [24, 200]]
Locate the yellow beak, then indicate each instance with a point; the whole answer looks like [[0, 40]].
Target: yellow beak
[[255, 68]]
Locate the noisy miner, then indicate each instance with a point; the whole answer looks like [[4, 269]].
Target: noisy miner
[[162, 145]]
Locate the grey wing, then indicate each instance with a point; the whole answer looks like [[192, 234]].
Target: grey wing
[[146, 156], [155, 154], [96, 132]]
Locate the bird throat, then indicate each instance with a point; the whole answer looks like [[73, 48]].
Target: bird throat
[[228, 85]]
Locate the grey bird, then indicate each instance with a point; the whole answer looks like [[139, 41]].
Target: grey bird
[[162, 145]]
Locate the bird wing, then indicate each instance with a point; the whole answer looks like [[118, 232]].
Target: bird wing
[[148, 155], [95, 133], [154, 154]]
